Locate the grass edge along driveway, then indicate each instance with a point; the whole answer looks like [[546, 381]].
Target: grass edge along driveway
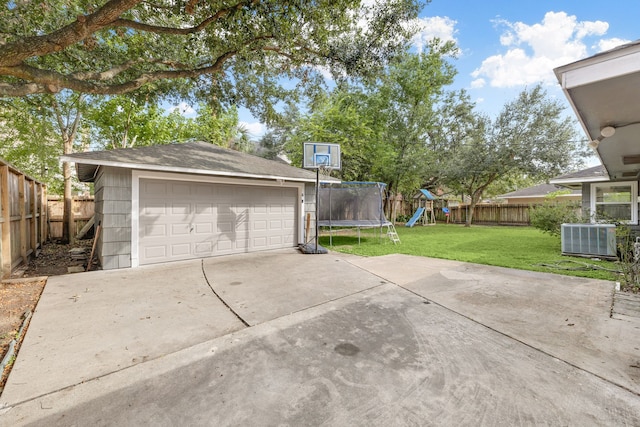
[[524, 248]]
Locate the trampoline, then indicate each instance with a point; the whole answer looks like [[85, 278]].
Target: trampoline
[[353, 205]]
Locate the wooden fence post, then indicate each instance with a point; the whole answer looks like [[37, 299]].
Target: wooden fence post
[[33, 235], [23, 219], [5, 212]]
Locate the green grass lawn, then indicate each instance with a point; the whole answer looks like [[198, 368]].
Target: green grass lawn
[[524, 248]]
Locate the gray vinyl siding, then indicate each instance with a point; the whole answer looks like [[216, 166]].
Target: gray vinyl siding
[[113, 211], [586, 201]]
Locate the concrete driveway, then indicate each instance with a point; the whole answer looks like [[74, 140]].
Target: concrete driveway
[[280, 338]]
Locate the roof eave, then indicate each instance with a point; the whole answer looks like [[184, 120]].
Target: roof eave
[[136, 166]]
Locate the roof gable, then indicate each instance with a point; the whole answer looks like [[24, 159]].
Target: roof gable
[[192, 157]]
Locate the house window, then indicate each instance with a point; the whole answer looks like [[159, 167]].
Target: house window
[[615, 201]]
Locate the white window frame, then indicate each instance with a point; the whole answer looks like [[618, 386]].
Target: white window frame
[[633, 203]]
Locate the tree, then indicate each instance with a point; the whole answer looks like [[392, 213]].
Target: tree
[[123, 121], [530, 136], [28, 141], [229, 51], [403, 104], [42, 127], [381, 125]]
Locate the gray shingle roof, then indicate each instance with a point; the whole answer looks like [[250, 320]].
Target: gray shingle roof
[[191, 157], [595, 171], [540, 190]]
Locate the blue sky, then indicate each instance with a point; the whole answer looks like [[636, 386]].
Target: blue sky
[[509, 45]]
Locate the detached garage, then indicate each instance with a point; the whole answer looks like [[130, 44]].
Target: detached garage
[[184, 201]]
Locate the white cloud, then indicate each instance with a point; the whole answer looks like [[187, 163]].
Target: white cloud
[[440, 27], [184, 109], [534, 50], [478, 83], [607, 44], [255, 129]]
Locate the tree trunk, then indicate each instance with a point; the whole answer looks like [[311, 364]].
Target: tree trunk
[[68, 222], [68, 132], [475, 198]]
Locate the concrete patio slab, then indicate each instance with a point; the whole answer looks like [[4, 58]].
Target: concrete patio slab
[[265, 286], [334, 340], [88, 325], [379, 358], [566, 317]]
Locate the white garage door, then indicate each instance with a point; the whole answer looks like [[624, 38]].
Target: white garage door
[[182, 220]]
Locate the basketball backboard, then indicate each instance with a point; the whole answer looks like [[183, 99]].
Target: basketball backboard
[[318, 154]]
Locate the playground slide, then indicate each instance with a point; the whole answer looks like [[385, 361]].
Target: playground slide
[[416, 216]]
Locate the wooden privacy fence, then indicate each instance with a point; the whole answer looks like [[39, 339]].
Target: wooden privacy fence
[[22, 217], [83, 210], [494, 214]]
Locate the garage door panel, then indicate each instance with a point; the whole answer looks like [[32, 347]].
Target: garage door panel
[[180, 230], [184, 189], [156, 230], [154, 208], [204, 248], [204, 228], [180, 209], [180, 249], [183, 220], [155, 252]]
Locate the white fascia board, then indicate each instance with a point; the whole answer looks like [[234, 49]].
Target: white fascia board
[[579, 180], [181, 170], [598, 69]]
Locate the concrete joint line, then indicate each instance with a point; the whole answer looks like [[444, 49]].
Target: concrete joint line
[[206, 279]]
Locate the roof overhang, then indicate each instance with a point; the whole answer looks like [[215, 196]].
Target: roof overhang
[[604, 92], [87, 171], [576, 183]]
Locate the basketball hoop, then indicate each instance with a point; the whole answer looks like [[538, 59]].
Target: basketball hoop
[[323, 157], [324, 171]]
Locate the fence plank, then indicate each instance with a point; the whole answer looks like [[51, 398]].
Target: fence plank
[[20, 212], [23, 219], [83, 210], [5, 211]]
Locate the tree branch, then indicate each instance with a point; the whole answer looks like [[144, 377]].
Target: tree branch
[[51, 81], [12, 54], [141, 26]]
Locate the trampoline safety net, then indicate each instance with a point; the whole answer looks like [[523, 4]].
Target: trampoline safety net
[[351, 204]]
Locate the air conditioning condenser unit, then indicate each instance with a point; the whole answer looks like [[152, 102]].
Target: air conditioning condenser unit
[[589, 240]]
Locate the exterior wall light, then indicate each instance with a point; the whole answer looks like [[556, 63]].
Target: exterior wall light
[[607, 131]]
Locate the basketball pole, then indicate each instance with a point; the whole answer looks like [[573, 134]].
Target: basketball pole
[[317, 203]]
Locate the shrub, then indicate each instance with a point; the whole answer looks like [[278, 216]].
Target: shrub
[[550, 216]]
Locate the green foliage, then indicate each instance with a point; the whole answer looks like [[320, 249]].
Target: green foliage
[[228, 53], [34, 131], [122, 121], [381, 126], [550, 216], [523, 248], [529, 137], [629, 258]]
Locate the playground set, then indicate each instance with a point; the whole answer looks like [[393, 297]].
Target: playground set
[[425, 212]]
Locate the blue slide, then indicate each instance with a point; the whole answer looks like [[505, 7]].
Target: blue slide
[[415, 218]]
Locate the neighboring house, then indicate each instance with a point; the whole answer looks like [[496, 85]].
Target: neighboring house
[[604, 92], [184, 201], [541, 193]]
